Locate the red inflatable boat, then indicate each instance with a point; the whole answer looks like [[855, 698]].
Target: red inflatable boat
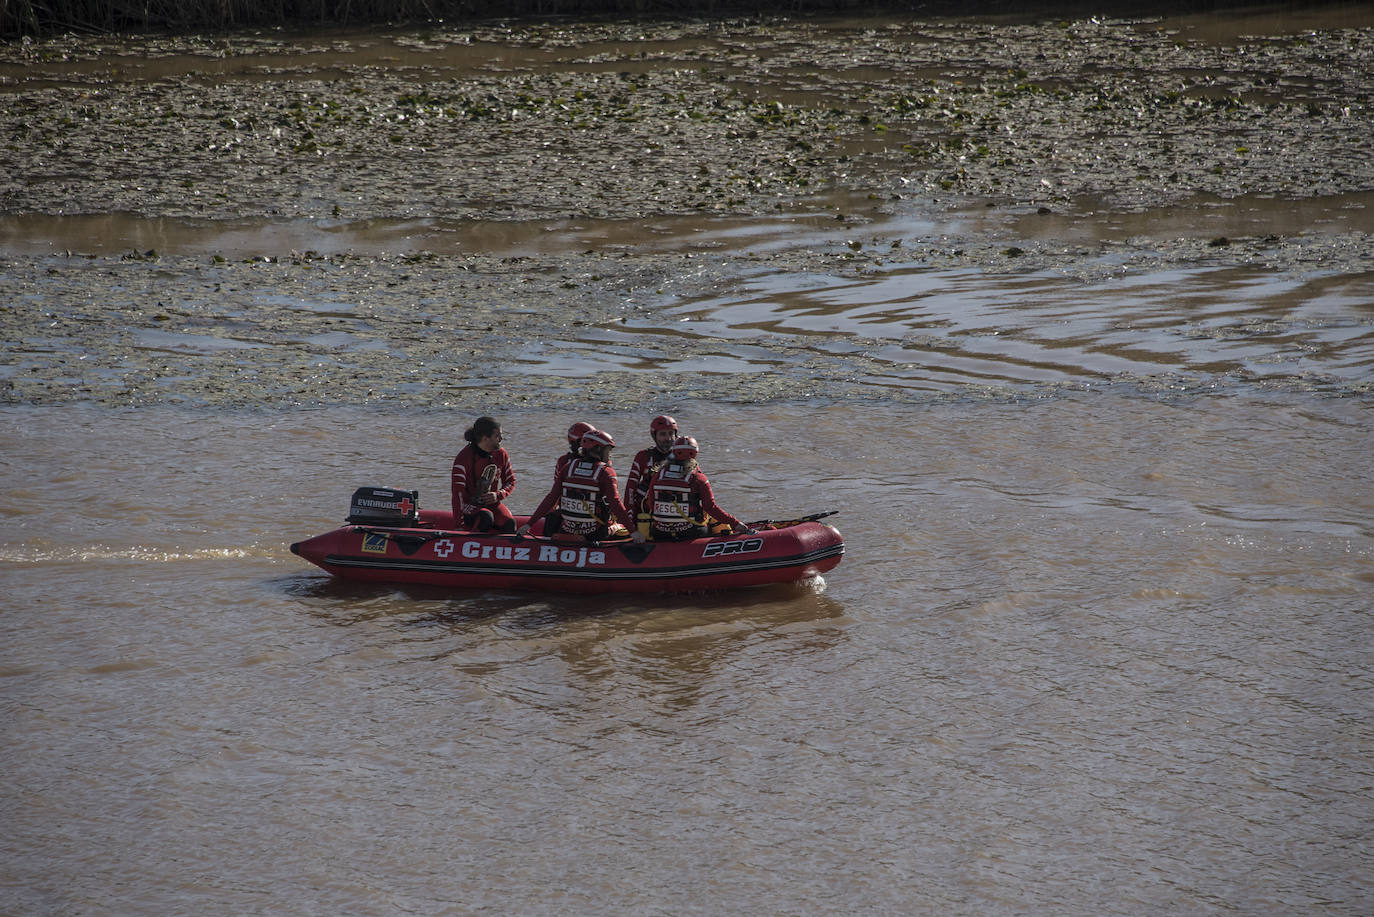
[[423, 547]]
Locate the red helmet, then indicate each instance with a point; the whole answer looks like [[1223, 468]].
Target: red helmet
[[662, 422], [684, 447], [577, 431], [594, 438]]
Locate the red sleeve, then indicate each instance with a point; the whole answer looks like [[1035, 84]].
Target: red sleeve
[[548, 503], [507, 475], [708, 501], [636, 472], [459, 482], [608, 490], [551, 499]]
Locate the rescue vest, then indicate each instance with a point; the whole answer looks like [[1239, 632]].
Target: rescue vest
[[653, 461], [584, 508], [674, 507]]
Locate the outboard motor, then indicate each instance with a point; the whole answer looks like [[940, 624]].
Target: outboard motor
[[384, 506]]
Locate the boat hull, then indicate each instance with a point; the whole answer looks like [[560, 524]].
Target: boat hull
[[468, 560]]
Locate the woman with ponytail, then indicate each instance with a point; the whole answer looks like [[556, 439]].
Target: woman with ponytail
[[482, 479]]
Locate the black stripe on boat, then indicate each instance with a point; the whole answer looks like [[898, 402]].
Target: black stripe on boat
[[528, 569]]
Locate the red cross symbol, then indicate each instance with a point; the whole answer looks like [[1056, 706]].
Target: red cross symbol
[[405, 506]]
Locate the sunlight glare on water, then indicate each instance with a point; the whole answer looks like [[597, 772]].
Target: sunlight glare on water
[[915, 327]]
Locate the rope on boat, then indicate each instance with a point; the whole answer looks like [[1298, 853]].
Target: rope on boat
[[782, 524]]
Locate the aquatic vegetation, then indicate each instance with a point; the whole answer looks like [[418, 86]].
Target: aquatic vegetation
[[663, 119], [780, 109]]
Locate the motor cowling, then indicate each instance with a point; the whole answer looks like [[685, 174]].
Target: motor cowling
[[385, 506]]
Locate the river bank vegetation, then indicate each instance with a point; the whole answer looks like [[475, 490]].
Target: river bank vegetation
[[36, 18]]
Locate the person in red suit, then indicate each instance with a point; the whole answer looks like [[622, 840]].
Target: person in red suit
[[482, 479], [586, 495], [680, 498], [553, 522], [663, 429], [575, 434]]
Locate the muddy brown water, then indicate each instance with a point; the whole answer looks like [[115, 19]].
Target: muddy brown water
[[1097, 654], [1100, 643]]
